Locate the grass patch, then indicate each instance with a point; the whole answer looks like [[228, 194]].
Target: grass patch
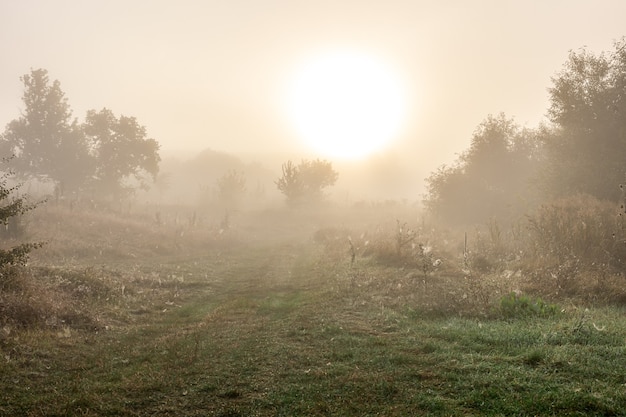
[[520, 306], [309, 353]]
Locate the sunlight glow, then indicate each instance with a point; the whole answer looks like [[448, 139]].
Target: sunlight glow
[[346, 104]]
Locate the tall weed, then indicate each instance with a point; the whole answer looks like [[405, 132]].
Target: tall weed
[[578, 228], [573, 249]]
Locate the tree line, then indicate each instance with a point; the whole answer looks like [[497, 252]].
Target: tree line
[[508, 169], [107, 156]]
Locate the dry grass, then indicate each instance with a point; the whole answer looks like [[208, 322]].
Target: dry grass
[[93, 257]]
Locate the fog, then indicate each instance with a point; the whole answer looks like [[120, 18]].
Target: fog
[[280, 207], [212, 75], [191, 177]]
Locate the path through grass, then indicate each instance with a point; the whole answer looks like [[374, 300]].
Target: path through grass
[[277, 331]]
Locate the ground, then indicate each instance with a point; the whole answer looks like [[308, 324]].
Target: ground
[[145, 320]]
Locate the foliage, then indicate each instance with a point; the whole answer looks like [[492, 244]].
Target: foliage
[[490, 179], [579, 228], [46, 143], [290, 183], [121, 150], [305, 182], [586, 150], [101, 153], [13, 207], [515, 305], [506, 168], [575, 248]]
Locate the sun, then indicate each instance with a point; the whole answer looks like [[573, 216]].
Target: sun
[[346, 104]]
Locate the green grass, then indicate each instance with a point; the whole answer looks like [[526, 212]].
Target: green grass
[[303, 366], [280, 330]]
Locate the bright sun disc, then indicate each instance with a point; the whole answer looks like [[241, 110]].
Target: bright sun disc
[[346, 104]]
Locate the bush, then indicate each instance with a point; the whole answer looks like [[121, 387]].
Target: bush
[[17, 255], [12, 208], [580, 228]]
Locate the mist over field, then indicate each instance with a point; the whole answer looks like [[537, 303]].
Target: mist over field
[[271, 209]]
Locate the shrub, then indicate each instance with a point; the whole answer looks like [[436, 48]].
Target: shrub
[[580, 228], [400, 248], [305, 182], [13, 207]]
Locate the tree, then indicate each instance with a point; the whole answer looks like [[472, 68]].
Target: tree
[[122, 152], [46, 142], [587, 148], [490, 179], [104, 152], [11, 207], [446, 192], [231, 187], [290, 183], [304, 183]]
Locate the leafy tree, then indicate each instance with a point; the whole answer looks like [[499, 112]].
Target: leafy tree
[[290, 183], [446, 193], [122, 152], [304, 183], [587, 149], [490, 179], [46, 142], [11, 207]]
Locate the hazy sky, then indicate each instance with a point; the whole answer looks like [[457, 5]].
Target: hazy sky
[[210, 74]]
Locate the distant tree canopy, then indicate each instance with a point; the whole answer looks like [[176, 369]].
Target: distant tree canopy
[[45, 142], [48, 145], [305, 182], [490, 178], [121, 151], [586, 152], [583, 151]]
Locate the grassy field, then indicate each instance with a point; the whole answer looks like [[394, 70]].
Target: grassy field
[[137, 322]]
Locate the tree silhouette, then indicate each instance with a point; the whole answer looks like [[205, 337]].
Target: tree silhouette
[[490, 179], [304, 183], [45, 142], [109, 154], [122, 152], [587, 149]]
